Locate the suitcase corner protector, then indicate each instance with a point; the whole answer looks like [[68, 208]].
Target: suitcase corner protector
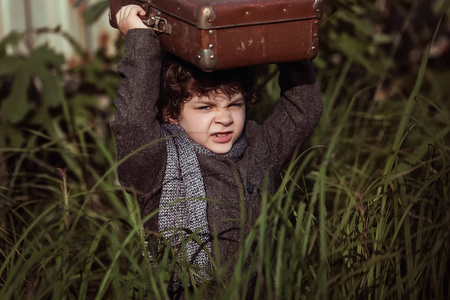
[[318, 7], [206, 60], [204, 16]]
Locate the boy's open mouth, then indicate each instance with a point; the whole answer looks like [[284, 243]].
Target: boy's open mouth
[[222, 137]]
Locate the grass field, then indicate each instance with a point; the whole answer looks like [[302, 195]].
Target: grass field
[[363, 212]]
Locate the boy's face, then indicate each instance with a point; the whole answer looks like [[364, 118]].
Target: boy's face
[[214, 123]]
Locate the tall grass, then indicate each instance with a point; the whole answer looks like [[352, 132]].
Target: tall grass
[[363, 212]]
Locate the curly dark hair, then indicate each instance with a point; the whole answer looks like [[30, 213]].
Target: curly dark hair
[[180, 81]]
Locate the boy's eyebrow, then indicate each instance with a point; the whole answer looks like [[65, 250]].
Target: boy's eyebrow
[[213, 101], [237, 99], [205, 101]]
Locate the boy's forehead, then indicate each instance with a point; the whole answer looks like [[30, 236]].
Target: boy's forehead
[[218, 96]]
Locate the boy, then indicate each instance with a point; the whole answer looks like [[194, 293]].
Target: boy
[[203, 147]]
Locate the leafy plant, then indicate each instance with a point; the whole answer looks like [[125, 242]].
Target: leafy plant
[[364, 213]]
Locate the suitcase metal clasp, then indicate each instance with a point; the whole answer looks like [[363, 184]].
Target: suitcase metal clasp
[[159, 24]]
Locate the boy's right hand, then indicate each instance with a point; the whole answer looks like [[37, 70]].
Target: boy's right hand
[[128, 18]]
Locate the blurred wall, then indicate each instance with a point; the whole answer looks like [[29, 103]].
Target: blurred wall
[[28, 15]]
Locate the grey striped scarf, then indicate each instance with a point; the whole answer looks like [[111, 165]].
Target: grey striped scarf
[[183, 180]]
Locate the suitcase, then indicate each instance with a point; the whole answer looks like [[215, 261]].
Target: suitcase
[[222, 34]]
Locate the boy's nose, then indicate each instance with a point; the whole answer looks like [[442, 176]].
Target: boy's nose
[[224, 118]]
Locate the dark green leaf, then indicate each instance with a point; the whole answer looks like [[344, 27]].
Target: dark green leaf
[[15, 137], [52, 91], [42, 62], [94, 11], [15, 107], [79, 106], [45, 57], [39, 116], [11, 39], [10, 64]]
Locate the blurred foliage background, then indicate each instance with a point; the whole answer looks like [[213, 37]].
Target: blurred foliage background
[[382, 167]]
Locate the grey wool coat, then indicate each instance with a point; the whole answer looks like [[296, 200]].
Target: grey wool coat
[[271, 144]]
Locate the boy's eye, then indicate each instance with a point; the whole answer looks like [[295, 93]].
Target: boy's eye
[[203, 107], [236, 104]]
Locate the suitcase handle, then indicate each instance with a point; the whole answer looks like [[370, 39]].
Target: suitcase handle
[[154, 20], [151, 19], [158, 24]]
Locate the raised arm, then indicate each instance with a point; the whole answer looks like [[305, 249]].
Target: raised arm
[[296, 115], [135, 124]]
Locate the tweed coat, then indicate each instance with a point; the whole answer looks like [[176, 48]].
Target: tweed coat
[[234, 186]]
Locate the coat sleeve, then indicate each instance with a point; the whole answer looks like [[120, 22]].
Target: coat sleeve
[[295, 117], [135, 125]]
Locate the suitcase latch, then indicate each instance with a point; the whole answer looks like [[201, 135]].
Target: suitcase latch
[[159, 24]]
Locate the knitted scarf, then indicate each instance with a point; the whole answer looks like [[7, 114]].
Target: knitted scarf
[[183, 204]]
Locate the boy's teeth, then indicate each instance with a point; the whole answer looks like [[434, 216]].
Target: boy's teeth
[[220, 135]]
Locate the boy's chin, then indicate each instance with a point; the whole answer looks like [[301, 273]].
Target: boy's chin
[[219, 149]]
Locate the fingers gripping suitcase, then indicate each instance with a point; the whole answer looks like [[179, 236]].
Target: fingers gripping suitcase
[[222, 34]]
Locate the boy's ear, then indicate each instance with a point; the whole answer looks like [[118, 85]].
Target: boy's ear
[[168, 119], [172, 121]]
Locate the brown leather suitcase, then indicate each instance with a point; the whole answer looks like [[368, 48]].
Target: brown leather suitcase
[[222, 34]]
